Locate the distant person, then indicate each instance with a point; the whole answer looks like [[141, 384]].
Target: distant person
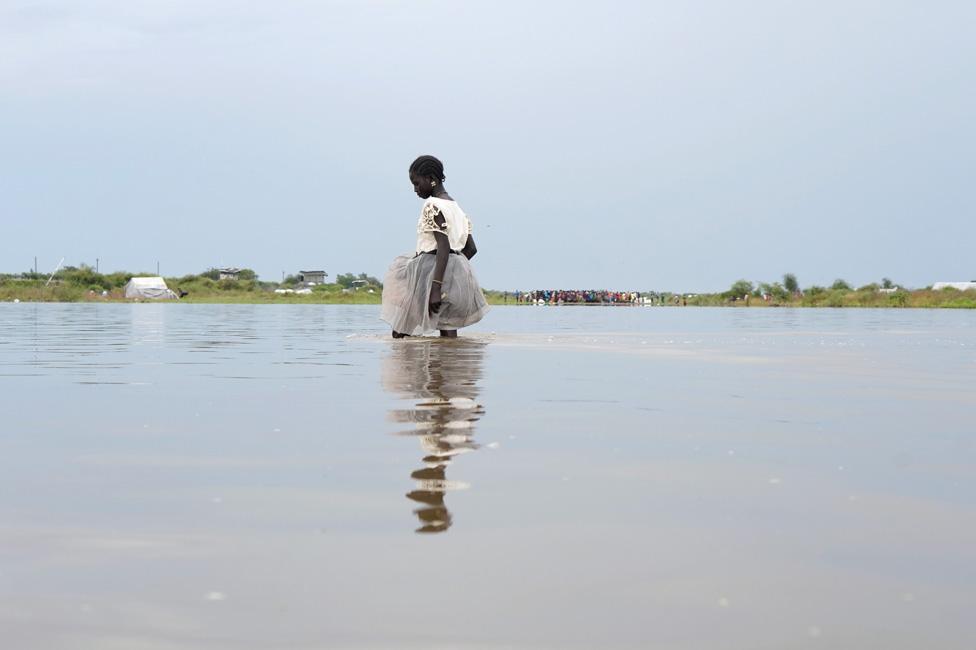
[[435, 288]]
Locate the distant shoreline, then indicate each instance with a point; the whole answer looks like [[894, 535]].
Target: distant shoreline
[[924, 300], [85, 284]]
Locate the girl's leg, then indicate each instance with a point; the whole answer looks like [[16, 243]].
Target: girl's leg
[[449, 334]]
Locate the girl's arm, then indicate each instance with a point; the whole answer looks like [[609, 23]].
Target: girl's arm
[[469, 250], [440, 265]]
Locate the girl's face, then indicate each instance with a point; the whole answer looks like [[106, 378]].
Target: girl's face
[[421, 185]]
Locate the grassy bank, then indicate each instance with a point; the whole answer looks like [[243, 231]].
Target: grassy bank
[[220, 291], [325, 294], [840, 294], [919, 298], [83, 284]]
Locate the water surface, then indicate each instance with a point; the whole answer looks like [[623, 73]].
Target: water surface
[[245, 476]]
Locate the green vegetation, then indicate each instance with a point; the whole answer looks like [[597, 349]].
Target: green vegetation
[[83, 283], [839, 294], [214, 274], [349, 281], [790, 283], [739, 289]]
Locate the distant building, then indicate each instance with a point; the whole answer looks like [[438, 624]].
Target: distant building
[[312, 277], [229, 274], [962, 286]]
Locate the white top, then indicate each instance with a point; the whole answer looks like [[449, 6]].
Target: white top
[[457, 226]]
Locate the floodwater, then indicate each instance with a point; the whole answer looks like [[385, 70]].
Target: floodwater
[[205, 477]]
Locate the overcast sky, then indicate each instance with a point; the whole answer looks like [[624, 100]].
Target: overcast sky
[[631, 145]]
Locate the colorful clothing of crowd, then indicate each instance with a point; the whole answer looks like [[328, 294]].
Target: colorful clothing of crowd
[[581, 296]]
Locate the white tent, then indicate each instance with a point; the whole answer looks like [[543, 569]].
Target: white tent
[[962, 286], [151, 288]]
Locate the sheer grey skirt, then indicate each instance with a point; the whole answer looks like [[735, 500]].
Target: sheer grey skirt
[[406, 290]]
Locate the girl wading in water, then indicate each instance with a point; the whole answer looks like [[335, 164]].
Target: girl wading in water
[[435, 288]]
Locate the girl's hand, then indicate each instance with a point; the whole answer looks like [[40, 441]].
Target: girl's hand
[[434, 302]]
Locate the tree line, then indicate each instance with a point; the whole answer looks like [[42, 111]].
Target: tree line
[[790, 289]]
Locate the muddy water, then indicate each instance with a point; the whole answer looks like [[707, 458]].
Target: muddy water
[[189, 476]]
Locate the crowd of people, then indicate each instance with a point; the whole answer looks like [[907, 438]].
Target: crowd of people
[[583, 296]]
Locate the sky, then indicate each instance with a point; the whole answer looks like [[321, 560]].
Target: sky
[[620, 145]]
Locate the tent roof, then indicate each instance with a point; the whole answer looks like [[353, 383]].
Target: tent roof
[[148, 283], [962, 286]]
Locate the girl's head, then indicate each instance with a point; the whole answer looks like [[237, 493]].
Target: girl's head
[[426, 173]]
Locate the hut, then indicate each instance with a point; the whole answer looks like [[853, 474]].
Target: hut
[[229, 274], [312, 277]]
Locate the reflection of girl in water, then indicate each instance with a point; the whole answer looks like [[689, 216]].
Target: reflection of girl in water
[[434, 288], [443, 376]]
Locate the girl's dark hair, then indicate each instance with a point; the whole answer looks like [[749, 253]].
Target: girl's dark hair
[[428, 166]]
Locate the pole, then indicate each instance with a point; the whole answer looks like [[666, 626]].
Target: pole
[[96, 265], [54, 271], [35, 265], [157, 267]]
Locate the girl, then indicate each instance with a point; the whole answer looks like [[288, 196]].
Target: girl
[[435, 288]]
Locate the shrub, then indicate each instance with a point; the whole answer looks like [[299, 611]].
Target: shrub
[[776, 290], [346, 280], [898, 299], [116, 280], [790, 283], [83, 276], [835, 298], [739, 289], [961, 303]]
